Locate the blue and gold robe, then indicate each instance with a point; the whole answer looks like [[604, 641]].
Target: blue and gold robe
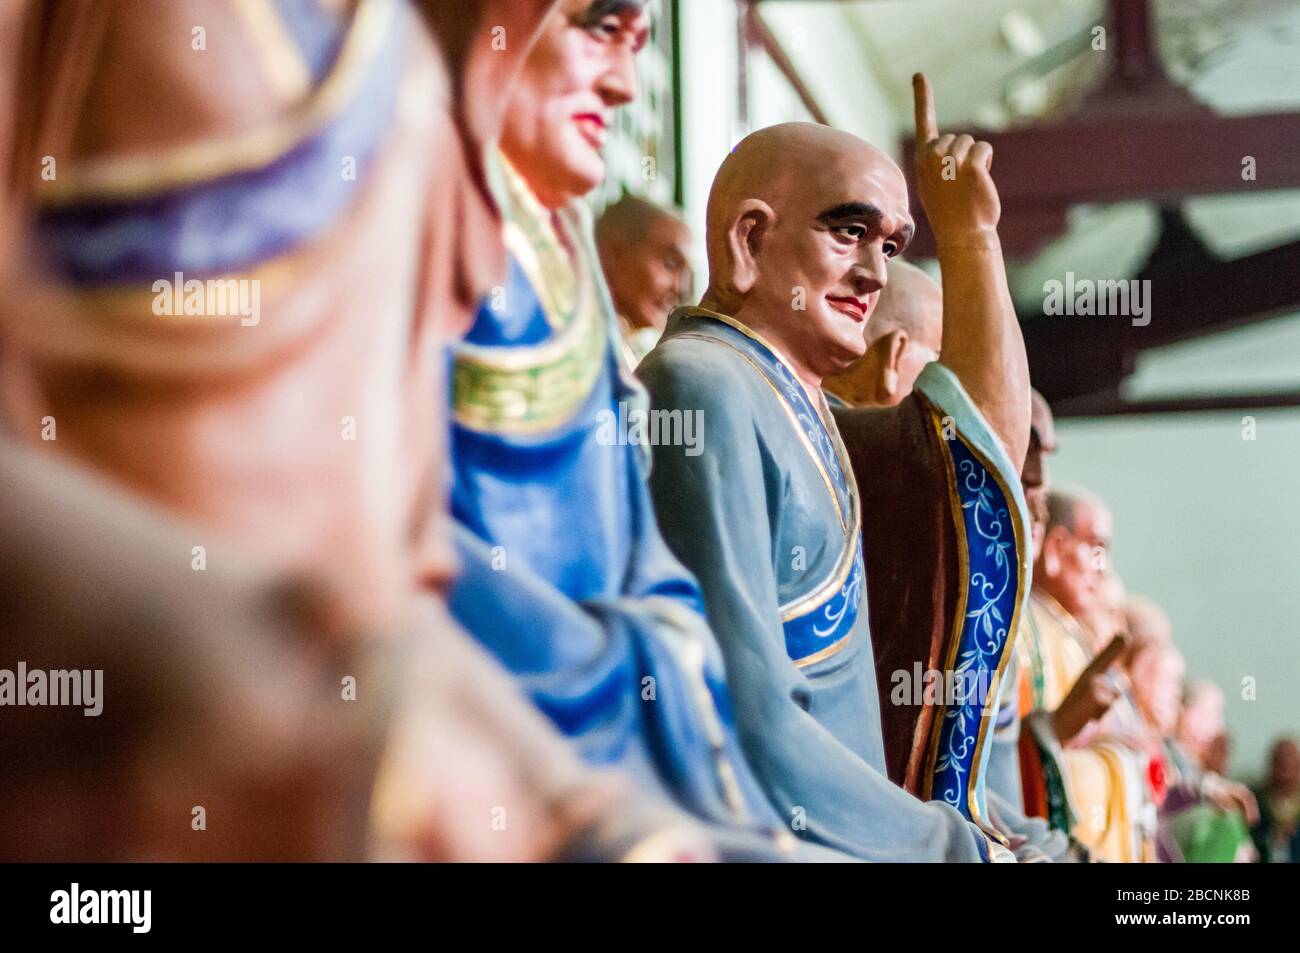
[[768, 517], [565, 576]]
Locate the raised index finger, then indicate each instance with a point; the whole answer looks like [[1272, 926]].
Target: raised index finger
[[927, 129]]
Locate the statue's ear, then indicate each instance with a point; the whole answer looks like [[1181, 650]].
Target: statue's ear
[[895, 345], [745, 237], [1052, 542]]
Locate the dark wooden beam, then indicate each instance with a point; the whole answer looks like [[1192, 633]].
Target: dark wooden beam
[[1191, 294], [1041, 171], [1110, 405]]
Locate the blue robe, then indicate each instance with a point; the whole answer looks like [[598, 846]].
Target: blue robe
[[565, 577], [768, 518]]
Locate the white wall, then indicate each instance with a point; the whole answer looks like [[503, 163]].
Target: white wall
[[1208, 523], [825, 46]]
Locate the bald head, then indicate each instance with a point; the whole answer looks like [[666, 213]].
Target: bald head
[[772, 163], [1067, 504], [1201, 723], [1147, 621], [1073, 563], [1157, 677], [645, 253], [1042, 425], [911, 302], [801, 221], [1033, 475]]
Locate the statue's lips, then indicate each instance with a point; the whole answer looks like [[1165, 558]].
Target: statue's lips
[[854, 308], [593, 127]]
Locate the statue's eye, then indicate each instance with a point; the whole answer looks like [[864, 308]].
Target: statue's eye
[[608, 28], [854, 232]]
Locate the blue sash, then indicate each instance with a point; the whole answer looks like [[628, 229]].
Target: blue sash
[[818, 622], [991, 527]]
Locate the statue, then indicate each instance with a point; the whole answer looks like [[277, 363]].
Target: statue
[[803, 223]]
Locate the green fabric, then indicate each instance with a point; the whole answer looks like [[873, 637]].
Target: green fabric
[[1207, 835]]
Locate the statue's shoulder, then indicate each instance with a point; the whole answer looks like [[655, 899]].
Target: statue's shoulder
[[696, 371]]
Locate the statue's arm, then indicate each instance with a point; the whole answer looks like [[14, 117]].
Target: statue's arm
[[982, 343]]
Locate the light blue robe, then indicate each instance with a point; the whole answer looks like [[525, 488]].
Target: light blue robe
[[767, 517]]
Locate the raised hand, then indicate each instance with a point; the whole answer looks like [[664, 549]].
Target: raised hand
[[953, 180], [1092, 695]]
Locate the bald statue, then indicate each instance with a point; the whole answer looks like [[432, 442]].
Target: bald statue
[[903, 335], [803, 222], [1147, 621], [1080, 766], [645, 254], [1034, 475]]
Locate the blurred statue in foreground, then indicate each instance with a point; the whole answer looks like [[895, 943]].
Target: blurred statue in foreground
[[243, 266]]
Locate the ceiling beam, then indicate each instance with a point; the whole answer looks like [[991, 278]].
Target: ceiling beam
[[1191, 294], [1111, 405]]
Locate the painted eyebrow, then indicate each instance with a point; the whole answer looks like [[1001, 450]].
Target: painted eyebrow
[[845, 210], [603, 8], [866, 210]]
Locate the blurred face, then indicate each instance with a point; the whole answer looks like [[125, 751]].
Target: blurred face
[[1202, 720], [1157, 677], [837, 224], [1075, 560], [1217, 753], [651, 277], [1286, 766], [1033, 478], [580, 71]]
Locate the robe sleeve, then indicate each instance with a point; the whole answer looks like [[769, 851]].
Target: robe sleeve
[[714, 508], [610, 675], [1004, 750]]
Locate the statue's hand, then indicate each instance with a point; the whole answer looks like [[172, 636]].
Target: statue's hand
[[953, 179], [1092, 695], [1228, 795]]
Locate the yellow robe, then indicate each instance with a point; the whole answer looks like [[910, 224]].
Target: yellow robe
[[1105, 781]]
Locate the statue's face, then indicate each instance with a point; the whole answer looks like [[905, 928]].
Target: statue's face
[[822, 262], [1202, 719], [1077, 559], [651, 277], [1033, 479], [1157, 677], [580, 71], [1286, 765]]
